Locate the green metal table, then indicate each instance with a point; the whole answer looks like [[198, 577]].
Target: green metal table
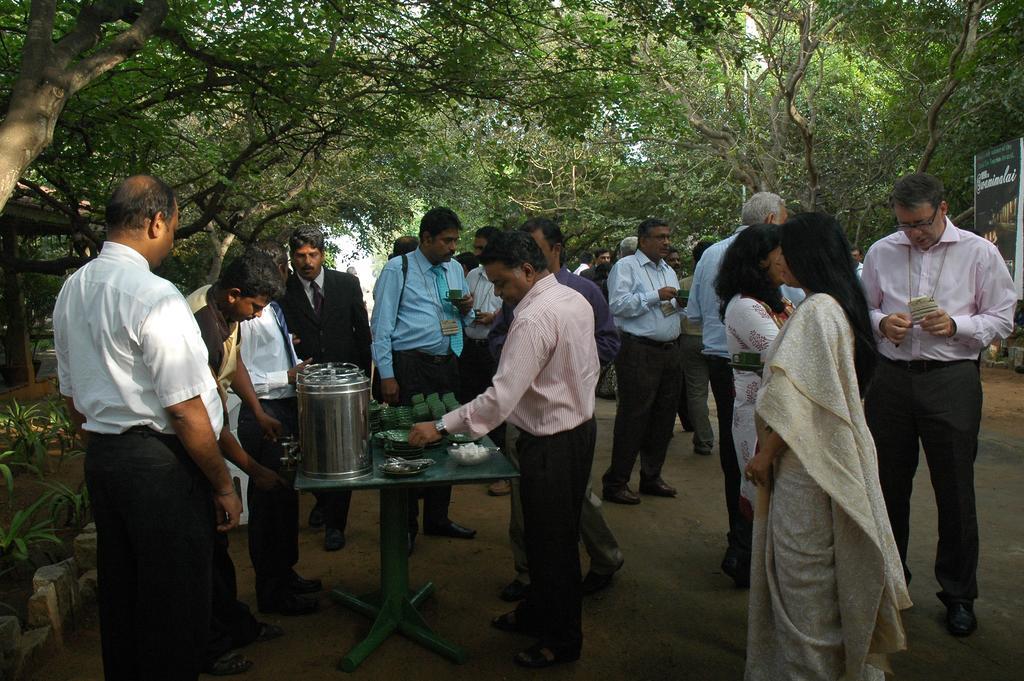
[[394, 606]]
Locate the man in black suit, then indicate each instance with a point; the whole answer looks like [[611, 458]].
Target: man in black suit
[[325, 311]]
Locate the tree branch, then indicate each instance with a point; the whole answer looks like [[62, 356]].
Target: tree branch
[[120, 48]]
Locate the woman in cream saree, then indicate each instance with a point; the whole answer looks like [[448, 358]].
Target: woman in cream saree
[[826, 581]]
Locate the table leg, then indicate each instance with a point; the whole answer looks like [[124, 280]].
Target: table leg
[[397, 609]]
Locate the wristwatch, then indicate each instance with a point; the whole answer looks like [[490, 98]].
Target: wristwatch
[[439, 424]]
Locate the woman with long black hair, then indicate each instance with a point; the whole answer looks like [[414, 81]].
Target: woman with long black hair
[[826, 581], [753, 310]]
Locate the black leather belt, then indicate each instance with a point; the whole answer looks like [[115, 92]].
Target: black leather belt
[[137, 431], [661, 345], [920, 366], [426, 356], [476, 341]]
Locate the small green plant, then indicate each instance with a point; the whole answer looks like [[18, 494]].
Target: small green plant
[[7, 473], [61, 429], [27, 432], [17, 538], [68, 508]]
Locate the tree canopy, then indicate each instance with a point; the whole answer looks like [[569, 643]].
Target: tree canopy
[[358, 115]]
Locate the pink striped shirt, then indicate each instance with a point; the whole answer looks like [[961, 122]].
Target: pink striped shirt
[[966, 276], [548, 369]]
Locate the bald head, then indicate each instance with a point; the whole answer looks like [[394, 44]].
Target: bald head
[[138, 201]]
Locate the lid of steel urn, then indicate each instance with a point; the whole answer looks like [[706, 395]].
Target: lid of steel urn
[[331, 375]]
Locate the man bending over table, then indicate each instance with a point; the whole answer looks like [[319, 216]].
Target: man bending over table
[[545, 387]]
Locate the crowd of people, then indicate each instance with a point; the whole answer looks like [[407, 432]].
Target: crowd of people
[[827, 374]]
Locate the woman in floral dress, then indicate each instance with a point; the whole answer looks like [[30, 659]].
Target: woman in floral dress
[[753, 311]]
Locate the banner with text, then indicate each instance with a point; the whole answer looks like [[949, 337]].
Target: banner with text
[[998, 202]]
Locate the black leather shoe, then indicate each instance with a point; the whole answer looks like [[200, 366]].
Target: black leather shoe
[[595, 581], [292, 605], [514, 591], [657, 488], [450, 530], [298, 585], [622, 495], [316, 518], [334, 539], [960, 619], [737, 569]]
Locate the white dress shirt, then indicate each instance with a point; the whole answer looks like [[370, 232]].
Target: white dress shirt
[[484, 300], [128, 346], [267, 357]]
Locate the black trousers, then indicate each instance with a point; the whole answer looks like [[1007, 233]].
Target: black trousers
[[650, 381], [155, 525], [740, 529], [273, 515], [232, 624], [417, 373], [939, 410], [554, 473], [683, 409], [476, 370]]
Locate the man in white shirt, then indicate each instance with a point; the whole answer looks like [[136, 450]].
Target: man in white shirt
[[132, 369], [268, 354], [585, 259], [476, 364]]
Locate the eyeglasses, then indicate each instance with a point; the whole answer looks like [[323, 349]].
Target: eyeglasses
[[920, 224]]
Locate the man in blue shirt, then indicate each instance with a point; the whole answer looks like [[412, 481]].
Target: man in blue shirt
[[703, 308], [418, 337], [642, 296]]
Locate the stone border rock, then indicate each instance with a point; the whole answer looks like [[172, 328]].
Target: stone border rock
[[59, 598]]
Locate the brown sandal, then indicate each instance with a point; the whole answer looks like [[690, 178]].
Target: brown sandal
[[538, 657]]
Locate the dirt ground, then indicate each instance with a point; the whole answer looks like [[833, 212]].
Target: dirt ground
[[670, 613]]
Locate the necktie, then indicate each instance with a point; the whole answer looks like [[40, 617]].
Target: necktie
[[282, 325], [455, 340], [318, 297]]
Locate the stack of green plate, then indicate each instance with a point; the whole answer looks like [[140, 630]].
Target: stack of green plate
[[435, 406], [396, 443], [397, 417], [375, 412], [449, 401]]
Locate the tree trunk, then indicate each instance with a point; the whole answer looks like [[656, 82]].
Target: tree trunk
[[220, 249], [25, 132], [17, 347], [50, 73]]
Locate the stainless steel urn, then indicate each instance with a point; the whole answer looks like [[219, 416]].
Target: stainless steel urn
[[334, 421]]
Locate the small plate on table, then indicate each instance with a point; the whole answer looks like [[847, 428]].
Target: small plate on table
[[405, 467]]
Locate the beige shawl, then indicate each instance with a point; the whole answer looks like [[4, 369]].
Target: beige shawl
[[809, 397]]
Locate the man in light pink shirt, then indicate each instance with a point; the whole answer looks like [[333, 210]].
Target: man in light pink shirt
[[938, 295], [545, 387]]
